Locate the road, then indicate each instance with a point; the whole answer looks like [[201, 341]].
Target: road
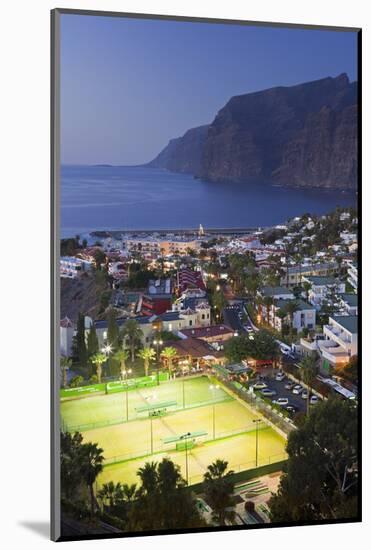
[[233, 318]]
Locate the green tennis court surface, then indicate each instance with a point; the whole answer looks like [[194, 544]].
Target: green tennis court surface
[[239, 451], [159, 415], [101, 410]]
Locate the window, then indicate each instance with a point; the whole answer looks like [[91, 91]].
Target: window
[[203, 316], [190, 323]]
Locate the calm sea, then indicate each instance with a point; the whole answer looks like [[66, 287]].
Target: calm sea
[[105, 197]]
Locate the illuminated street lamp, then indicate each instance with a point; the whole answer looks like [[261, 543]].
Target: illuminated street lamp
[[107, 349], [158, 343]]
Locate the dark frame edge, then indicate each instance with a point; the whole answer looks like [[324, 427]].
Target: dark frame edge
[[55, 511], [195, 19]]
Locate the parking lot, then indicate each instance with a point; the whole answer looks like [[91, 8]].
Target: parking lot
[[279, 386]]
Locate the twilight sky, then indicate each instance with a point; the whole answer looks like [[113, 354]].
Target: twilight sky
[[128, 86]]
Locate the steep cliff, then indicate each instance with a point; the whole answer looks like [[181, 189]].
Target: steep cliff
[[304, 135], [183, 154]]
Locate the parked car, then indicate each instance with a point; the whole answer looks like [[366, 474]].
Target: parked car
[[249, 329], [259, 385], [297, 389], [291, 409], [314, 400], [280, 376], [304, 394], [289, 385], [268, 392], [281, 401]]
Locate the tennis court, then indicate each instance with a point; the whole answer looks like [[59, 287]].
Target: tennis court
[[100, 410], [166, 412]]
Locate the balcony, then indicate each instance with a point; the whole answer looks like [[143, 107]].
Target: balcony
[[335, 333], [309, 345], [331, 351]]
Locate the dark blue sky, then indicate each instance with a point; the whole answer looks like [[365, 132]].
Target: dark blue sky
[[128, 86]]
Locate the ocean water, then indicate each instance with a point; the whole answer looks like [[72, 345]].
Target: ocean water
[[126, 197]]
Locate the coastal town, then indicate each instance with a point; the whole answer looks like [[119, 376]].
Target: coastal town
[[268, 315]]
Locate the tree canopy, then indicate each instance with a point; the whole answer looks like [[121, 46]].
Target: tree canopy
[[321, 477]]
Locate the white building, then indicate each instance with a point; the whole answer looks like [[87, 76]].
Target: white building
[[341, 339], [66, 332], [353, 276], [303, 317], [71, 267], [322, 288]]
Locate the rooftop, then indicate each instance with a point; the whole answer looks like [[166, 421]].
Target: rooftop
[[348, 322], [350, 299], [207, 332], [274, 290], [302, 305], [320, 281], [194, 348], [102, 324], [159, 286], [311, 267]]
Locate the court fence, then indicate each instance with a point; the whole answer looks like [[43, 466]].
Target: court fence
[[159, 447], [133, 415], [275, 417]]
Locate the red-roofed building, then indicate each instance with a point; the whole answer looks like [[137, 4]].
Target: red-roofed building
[[188, 279]]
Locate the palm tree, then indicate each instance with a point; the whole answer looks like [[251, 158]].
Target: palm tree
[[129, 491], [306, 286], [169, 353], [259, 303], [111, 492], [308, 369], [132, 333], [149, 477], [281, 314], [218, 489], [122, 355], [148, 355], [268, 302], [66, 364], [290, 308], [98, 359], [91, 463]]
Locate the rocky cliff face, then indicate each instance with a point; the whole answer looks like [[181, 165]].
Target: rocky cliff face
[[183, 154], [303, 135]]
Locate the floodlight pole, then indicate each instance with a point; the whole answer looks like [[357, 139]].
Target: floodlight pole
[[158, 342], [151, 435], [213, 420], [125, 377], [213, 388], [185, 437], [256, 422]]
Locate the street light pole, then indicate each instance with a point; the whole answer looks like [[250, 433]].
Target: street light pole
[[125, 377], [256, 422], [157, 343], [213, 388], [185, 437], [151, 435]]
